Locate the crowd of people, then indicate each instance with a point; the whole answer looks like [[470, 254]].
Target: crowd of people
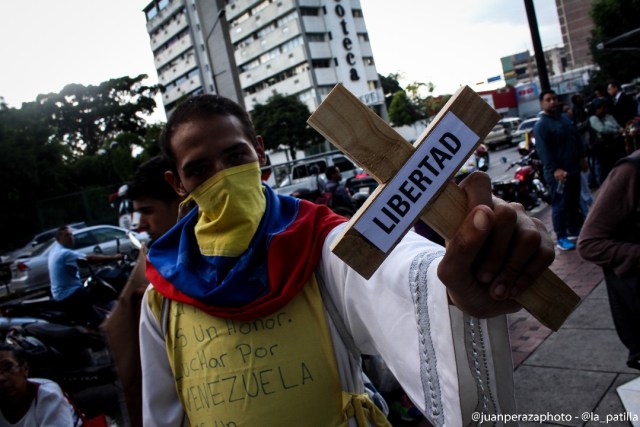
[[246, 317], [584, 148]]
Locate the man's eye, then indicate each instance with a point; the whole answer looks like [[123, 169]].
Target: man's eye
[[237, 157], [198, 171]]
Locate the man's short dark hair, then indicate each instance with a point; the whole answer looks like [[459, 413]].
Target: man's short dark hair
[[17, 352], [330, 171], [615, 84], [60, 231], [203, 107], [148, 181], [545, 92]]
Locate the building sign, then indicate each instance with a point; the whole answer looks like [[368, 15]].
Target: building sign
[[372, 98], [410, 190], [347, 43], [527, 92]]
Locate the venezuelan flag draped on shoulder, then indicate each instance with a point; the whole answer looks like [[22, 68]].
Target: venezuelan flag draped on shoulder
[[280, 259]]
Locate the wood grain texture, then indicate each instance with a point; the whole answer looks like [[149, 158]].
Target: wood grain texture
[[378, 149]]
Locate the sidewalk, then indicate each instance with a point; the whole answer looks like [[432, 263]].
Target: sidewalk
[[577, 369]]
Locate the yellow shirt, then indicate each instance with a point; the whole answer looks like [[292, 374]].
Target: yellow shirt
[[275, 370]]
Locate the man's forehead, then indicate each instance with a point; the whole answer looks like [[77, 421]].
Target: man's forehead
[[146, 203]]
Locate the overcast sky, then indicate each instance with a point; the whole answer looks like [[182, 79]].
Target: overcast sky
[[48, 44]]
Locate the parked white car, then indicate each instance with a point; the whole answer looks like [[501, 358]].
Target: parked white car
[[524, 127]]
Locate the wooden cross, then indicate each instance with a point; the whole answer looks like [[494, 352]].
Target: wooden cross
[[415, 182]]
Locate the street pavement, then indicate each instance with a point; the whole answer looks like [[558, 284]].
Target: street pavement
[[573, 373]]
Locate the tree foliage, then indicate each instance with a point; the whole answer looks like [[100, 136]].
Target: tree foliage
[[402, 111], [413, 103], [612, 18], [88, 118], [83, 137], [282, 122], [390, 86]]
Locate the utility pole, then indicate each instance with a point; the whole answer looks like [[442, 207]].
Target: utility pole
[[537, 45]]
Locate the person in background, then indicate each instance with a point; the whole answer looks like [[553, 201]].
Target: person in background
[[157, 203], [580, 119], [250, 309], [340, 195], [605, 136], [64, 274], [562, 156], [624, 107], [26, 402], [610, 238]]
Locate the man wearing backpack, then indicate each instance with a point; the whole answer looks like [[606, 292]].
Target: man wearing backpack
[[339, 195]]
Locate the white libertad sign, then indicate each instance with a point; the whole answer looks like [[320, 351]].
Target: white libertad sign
[[406, 195]]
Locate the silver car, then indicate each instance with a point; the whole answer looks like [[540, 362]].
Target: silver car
[[499, 135], [32, 273]]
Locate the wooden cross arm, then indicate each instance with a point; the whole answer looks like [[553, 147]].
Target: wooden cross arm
[[379, 150]]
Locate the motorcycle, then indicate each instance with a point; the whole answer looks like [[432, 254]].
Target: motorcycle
[[527, 186], [478, 161], [107, 282], [59, 347]]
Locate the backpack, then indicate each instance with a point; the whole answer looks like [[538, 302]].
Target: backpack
[[326, 198]]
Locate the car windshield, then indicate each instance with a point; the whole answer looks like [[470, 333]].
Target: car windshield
[[527, 125]]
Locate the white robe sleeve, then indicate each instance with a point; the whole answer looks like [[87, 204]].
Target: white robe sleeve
[[441, 357], [161, 406]]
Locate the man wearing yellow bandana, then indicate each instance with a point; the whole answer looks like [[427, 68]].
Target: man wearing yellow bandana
[[250, 320]]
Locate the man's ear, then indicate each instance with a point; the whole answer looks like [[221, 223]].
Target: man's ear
[[175, 182], [262, 157]]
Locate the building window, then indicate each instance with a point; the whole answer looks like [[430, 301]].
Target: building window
[[368, 60], [151, 13], [307, 94], [357, 13], [316, 37], [321, 63], [309, 11], [324, 90], [363, 37], [162, 4]]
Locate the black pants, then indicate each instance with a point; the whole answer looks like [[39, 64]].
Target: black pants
[[624, 299], [81, 306]]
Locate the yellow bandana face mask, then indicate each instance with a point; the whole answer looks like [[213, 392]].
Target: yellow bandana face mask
[[230, 206]]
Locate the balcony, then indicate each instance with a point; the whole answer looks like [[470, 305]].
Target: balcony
[[175, 93], [274, 38], [292, 85], [274, 66], [314, 24], [360, 26], [320, 50], [239, 7], [262, 18], [181, 67], [310, 3], [326, 76], [175, 50], [177, 24], [163, 15]]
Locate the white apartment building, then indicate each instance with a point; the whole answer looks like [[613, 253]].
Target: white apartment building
[[248, 50]]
